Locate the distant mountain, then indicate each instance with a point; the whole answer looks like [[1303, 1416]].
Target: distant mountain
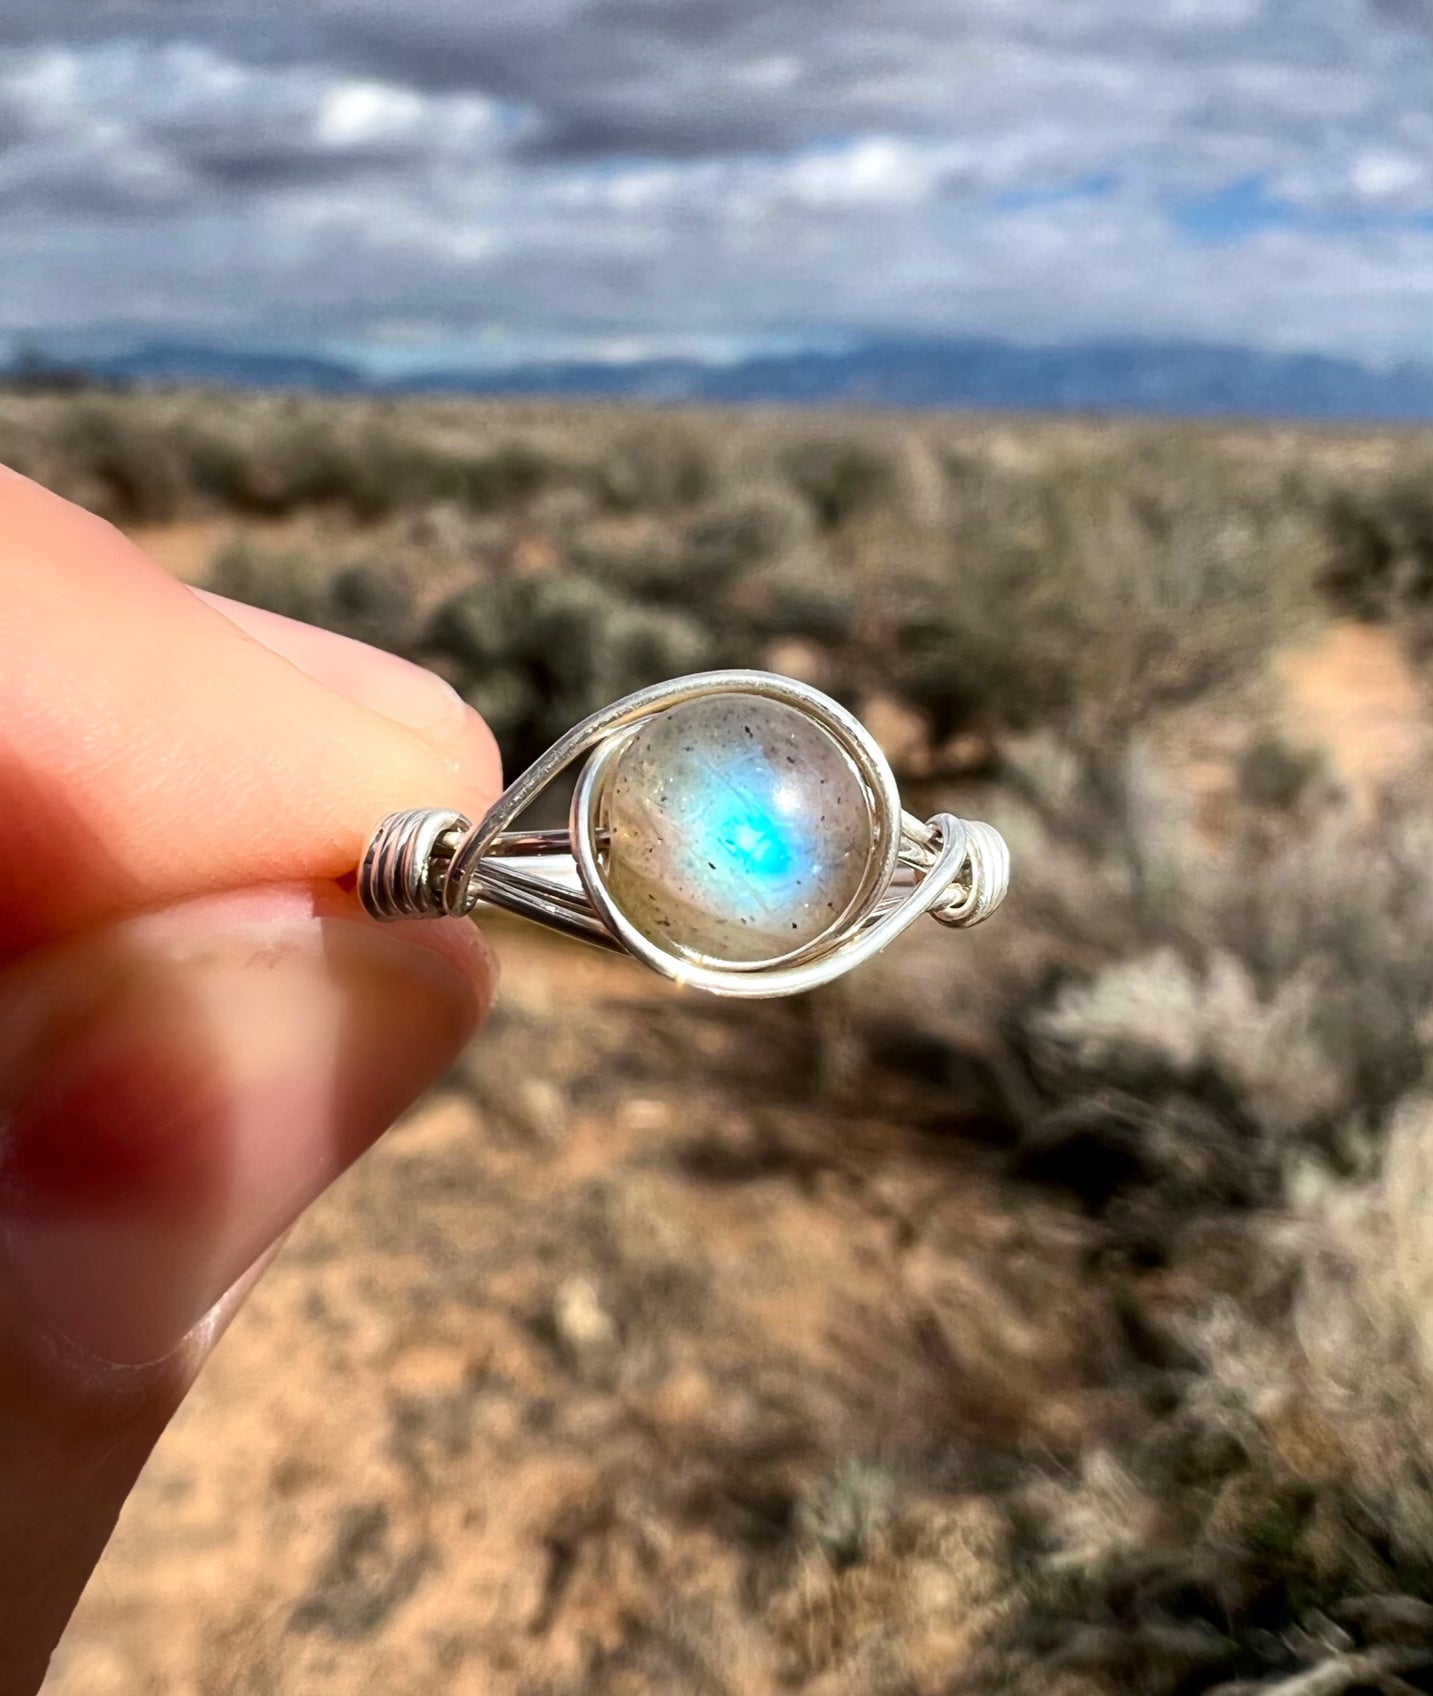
[[199, 365], [1183, 379], [176, 362], [1164, 378]]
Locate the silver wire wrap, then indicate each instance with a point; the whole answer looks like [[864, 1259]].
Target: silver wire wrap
[[431, 863]]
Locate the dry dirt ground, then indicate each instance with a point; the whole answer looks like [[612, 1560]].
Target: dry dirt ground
[[1351, 693], [559, 1390]]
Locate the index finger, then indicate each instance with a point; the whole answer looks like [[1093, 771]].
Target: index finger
[[152, 749]]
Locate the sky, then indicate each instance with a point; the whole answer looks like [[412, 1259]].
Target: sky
[[497, 180]]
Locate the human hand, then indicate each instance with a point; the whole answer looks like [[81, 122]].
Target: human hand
[[199, 1029]]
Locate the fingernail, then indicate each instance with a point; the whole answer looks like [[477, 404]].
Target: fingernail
[[171, 1129]]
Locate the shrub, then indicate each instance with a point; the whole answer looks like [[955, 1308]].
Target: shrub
[[1274, 774], [656, 468], [728, 538], [1380, 564], [117, 463], [278, 580], [291, 466], [840, 477], [799, 594], [640, 556], [367, 599], [1223, 1061], [537, 654], [1096, 594]]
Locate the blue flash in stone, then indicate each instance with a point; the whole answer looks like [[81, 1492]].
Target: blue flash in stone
[[736, 828], [754, 843]]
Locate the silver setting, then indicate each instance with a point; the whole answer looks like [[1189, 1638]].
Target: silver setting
[[431, 863]]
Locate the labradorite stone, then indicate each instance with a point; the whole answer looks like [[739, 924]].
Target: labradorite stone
[[737, 828]]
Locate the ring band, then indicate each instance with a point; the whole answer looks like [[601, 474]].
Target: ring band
[[737, 831]]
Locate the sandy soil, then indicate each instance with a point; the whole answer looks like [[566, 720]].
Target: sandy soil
[[1353, 694]]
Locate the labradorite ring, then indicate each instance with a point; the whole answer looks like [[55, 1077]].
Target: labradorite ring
[[737, 831]]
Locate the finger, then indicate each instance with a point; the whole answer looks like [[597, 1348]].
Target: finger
[[174, 1089], [379, 680], [152, 749]]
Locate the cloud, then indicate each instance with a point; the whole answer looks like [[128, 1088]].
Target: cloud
[[182, 115], [687, 170], [1416, 13]]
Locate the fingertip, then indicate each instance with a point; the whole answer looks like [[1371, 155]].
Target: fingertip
[[408, 694], [477, 763]]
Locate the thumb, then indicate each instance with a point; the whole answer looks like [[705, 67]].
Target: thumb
[[198, 1030], [174, 1089]]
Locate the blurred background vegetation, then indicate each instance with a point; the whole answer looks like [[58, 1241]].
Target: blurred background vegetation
[[983, 573], [1043, 1310]]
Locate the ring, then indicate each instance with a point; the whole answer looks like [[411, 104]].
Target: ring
[[738, 832]]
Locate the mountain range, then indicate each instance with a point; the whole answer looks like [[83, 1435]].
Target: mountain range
[[1159, 378]]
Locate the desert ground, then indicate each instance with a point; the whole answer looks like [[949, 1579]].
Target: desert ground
[[1045, 1309]]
